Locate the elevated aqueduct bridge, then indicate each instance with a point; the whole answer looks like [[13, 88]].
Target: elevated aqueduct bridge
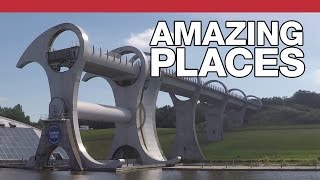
[[135, 94]]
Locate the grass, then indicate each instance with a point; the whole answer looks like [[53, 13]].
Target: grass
[[275, 145], [98, 142], [289, 144]]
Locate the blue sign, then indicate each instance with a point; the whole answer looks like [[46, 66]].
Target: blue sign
[[54, 134]]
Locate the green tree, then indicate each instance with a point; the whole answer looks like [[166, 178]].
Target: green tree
[[15, 113]]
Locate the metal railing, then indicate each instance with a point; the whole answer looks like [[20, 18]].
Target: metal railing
[[64, 116], [211, 87]]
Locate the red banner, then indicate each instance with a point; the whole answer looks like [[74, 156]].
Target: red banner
[[160, 6]]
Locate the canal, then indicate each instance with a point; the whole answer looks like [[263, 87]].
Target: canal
[[158, 174]]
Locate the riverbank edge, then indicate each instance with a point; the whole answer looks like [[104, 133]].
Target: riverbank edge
[[243, 168], [195, 168]]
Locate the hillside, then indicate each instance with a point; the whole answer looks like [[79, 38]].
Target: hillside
[[301, 108]]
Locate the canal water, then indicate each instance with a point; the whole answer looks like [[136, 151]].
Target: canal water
[[158, 174]]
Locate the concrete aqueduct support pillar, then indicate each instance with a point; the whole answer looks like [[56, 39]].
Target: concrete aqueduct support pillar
[[214, 114], [140, 98], [235, 116], [186, 143], [61, 127]]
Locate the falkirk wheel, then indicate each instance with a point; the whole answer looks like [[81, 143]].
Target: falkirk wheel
[[135, 94]]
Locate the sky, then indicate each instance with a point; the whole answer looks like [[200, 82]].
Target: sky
[[29, 86]]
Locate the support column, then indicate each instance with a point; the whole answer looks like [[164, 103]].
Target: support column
[[214, 113], [62, 128], [235, 117], [214, 120], [186, 142]]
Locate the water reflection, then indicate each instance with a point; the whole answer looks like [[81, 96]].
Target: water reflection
[[157, 174]]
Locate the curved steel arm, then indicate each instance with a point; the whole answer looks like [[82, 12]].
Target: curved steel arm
[[135, 57], [239, 90], [258, 99], [221, 83]]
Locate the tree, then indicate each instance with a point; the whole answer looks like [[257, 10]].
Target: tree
[[15, 113]]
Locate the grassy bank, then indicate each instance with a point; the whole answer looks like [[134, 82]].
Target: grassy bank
[[289, 144]]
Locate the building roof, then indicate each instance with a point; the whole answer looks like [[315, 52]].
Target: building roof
[[6, 122]]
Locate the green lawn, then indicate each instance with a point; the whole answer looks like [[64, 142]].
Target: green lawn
[[98, 142], [292, 143]]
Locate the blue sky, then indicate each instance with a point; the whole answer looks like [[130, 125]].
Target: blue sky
[[29, 86]]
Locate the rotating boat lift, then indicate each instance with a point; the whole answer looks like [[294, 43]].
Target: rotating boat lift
[[135, 96]]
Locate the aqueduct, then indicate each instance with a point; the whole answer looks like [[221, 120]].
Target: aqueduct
[[135, 94]]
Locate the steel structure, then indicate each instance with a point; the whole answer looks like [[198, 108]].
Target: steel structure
[[135, 95]]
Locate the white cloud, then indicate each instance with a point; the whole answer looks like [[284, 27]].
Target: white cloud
[[140, 40]]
